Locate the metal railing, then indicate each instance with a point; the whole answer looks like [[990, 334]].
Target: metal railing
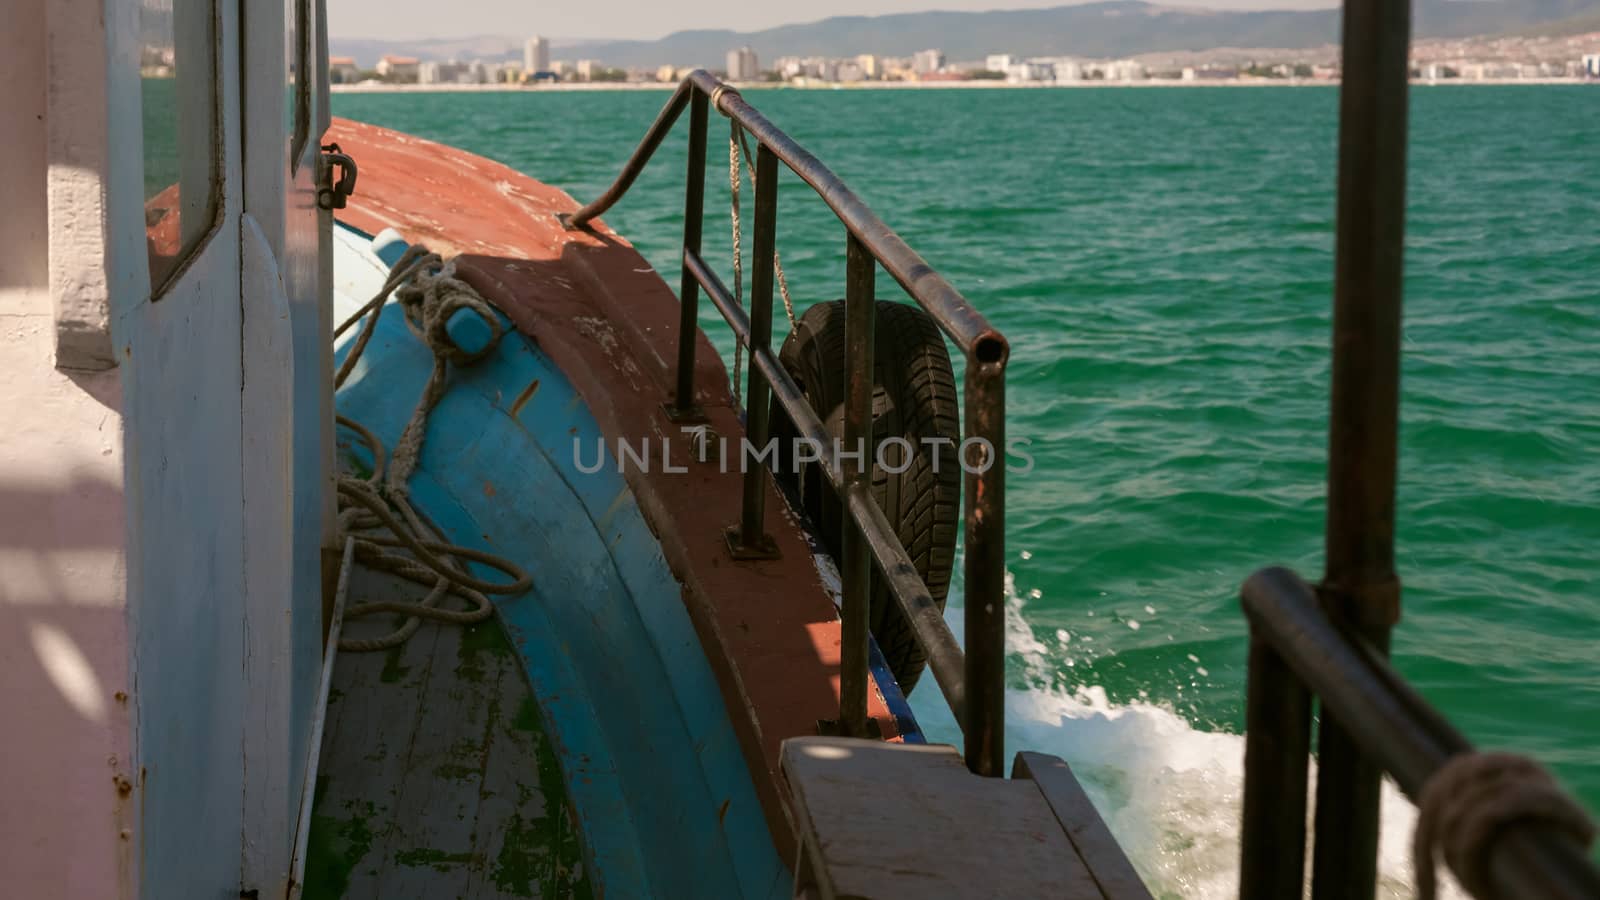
[[973, 683], [1332, 642]]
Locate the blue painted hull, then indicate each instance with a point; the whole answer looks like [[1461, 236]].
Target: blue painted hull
[[661, 792]]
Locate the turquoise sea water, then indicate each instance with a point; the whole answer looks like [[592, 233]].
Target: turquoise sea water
[[1162, 263]]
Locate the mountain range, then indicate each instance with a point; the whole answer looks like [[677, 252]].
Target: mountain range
[[1105, 29]]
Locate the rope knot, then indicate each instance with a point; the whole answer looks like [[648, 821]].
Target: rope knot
[[720, 91], [431, 299], [1466, 803]]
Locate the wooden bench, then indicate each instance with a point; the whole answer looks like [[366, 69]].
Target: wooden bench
[[885, 820]]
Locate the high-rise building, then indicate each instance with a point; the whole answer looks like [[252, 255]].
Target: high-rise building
[[869, 65], [926, 62], [742, 65], [536, 55]]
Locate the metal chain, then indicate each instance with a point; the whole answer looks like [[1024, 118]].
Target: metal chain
[[736, 141], [777, 262]]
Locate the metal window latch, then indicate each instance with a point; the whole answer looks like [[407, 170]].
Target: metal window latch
[[333, 194]]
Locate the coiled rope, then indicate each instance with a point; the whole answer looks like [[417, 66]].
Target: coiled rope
[[376, 511], [736, 140], [1469, 799]]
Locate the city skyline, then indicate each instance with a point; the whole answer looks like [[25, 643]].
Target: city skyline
[[650, 19], [1569, 57], [1105, 32], [1500, 60]]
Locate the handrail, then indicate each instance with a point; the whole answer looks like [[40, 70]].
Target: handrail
[[970, 331], [1371, 721], [1390, 723], [972, 682], [945, 659]]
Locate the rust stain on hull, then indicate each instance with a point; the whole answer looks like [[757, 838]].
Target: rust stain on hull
[[523, 398]]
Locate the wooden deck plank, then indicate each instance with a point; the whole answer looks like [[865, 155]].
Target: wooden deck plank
[[904, 820], [435, 781], [364, 742], [528, 839], [436, 803], [1097, 848]]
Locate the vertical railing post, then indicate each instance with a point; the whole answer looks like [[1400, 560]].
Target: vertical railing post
[[1359, 586], [749, 539], [860, 313], [1277, 745], [683, 408], [985, 484]]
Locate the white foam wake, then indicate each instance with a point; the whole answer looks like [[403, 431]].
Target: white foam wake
[[1171, 793]]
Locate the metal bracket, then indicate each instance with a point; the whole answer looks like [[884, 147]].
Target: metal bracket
[[763, 547], [705, 444], [568, 225], [694, 415], [334, 194], [830, 728]]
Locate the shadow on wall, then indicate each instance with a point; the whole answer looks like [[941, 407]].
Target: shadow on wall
[[64, 671]]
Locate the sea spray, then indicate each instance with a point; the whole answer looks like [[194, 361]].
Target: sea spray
[[1170, 792]]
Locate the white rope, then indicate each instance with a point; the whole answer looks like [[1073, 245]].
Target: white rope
[[734, 183], [777, 261], [736, 140], [379, 505]]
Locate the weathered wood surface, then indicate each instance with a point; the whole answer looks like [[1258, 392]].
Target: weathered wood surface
[[436, 780], [905, 820], [1097, 848], [280, 681]]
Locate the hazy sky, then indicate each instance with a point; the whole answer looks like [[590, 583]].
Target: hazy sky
[[651, 18]]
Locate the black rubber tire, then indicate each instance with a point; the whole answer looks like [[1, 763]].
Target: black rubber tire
[[914, 397]]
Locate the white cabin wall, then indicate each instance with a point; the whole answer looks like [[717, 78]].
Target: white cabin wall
[[287, 427], [65, 766], [180, 357], [125, 465]]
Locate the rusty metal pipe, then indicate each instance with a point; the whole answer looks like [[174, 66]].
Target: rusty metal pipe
[[1359, 583], [640, 158], [1277, 750], [856, 563], [752, 536], [693, 219], [985, 725]]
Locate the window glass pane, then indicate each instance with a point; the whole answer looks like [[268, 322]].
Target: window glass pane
[[298, 59], [177, 69]]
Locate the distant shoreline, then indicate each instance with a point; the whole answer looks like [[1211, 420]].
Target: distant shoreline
[[609, 86]]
